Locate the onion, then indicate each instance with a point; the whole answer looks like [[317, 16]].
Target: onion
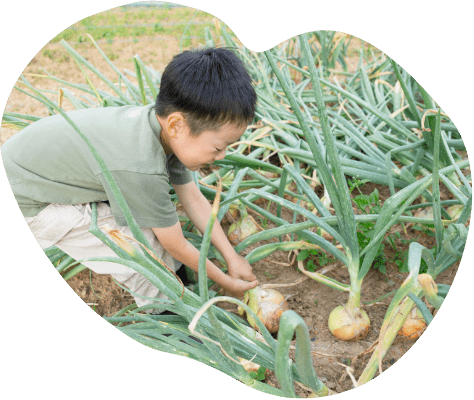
[[242, 229], [426, 212], [414, 325], [455, 211], [232, 214], [269, 175], [345, 326], [268, 304]]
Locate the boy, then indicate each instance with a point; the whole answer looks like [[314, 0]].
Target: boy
[[205, 103]]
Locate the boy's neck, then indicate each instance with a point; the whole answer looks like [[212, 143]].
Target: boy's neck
[[164, 137]]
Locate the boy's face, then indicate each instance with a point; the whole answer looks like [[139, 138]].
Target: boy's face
[[198, 151]]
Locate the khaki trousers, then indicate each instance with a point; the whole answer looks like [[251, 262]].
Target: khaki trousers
[[66, 227]]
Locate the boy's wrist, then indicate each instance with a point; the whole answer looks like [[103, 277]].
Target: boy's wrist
[[227, 282], [231, 259]]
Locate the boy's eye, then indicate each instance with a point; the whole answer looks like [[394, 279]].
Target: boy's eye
[[218, 150]]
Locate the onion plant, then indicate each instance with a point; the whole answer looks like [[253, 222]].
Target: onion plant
[[415, 287], [333, 178]]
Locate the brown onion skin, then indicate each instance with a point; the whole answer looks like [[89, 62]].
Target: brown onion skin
[[413, 326]]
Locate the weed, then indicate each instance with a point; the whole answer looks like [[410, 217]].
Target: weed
[[158, 28], [263, 220], [55, 55], [356, 183], [318, 259], [426, 229], [113, 56], [259, 375], [370, 204], [49, 53]]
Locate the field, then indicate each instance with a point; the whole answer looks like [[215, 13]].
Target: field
[[335, 361], [155, 47]]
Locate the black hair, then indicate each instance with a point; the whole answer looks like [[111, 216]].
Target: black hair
[[210, 87]]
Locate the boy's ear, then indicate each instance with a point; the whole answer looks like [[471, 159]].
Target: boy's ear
[[175, 124]]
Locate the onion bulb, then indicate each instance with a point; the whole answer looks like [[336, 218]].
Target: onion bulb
[[345, 326], [242, 229], [426, 212], [268, 304], [232, 214], [414, 325], [455, 211]]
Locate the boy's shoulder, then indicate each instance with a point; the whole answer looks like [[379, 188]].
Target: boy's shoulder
[[129, 112], [123, 133], [117, 118], [125, 137]]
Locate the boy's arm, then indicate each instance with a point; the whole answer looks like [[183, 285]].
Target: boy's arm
[[199, 210], [173, 240]]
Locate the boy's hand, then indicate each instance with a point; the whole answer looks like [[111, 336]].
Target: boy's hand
[[174, 242], [240, 268], [237, 287]]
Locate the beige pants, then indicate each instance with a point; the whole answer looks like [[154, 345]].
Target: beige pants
[[66, 227]]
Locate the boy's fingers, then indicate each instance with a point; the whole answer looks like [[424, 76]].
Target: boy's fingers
[[253, 284], [250, 277]]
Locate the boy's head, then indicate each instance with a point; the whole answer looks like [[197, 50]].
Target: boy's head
[[209, 87]]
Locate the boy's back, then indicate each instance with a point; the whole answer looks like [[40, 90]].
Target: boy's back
[[65, 171]]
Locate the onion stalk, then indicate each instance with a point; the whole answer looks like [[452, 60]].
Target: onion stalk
[[336, 187]]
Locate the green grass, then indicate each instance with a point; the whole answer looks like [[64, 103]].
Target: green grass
[[119, 23], [55, 54], [315, 258]]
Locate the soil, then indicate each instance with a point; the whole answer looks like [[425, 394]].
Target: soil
[[311, 300]]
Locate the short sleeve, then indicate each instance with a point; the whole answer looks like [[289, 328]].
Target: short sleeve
[[147, 196], [179, 174]]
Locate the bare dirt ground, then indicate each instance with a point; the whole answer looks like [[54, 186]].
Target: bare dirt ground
[[311, 300]]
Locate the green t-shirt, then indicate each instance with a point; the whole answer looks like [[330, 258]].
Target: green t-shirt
[[48, 162]]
